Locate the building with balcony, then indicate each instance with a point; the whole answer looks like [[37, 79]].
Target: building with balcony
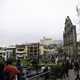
[[21, 51], [70, 38], [33, 51]]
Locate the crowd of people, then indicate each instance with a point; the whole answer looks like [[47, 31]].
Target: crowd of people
[[10, 72], [73, 64]]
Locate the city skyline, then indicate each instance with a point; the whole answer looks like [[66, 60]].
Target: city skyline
[[29, 20]]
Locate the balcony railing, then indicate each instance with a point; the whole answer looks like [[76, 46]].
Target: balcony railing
[[21, 52]]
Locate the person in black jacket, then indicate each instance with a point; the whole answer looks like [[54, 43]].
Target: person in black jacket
[[19, 67], [66, 68], [2, 73]]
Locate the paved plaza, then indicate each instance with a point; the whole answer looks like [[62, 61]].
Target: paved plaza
[[72, 75]]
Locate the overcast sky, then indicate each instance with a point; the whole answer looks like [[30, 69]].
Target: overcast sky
[[30, 20]]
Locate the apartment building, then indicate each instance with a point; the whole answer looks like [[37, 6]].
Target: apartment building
[[21, 51], [33, 51]]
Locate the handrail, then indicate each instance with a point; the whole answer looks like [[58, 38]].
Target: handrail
[[38, 75]]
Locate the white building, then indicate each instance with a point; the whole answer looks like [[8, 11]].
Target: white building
[[21, 51], [48, 47], [8, 52]]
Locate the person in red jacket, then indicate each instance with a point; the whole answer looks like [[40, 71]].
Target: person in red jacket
[[11, 71]]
